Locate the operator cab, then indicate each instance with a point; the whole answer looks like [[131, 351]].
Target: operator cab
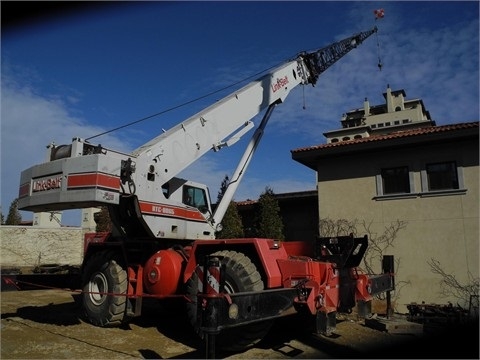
[[189, 193]]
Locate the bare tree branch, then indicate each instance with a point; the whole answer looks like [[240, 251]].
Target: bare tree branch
[[451, 287]]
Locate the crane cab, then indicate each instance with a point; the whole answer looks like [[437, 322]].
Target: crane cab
[[184, 212]]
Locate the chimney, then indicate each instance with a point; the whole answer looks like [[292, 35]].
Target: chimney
[[390, 106], [366, 108]]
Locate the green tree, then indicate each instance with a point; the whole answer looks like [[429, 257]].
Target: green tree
[[231, 223], [223, 188], [268, 221], [2, 218], [102, 220], [232, 226], [13, 217]]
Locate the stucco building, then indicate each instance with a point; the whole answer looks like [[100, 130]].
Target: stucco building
[[390, 164]]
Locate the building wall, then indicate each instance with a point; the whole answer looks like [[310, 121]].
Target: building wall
[[47, 219], [444, 227], [44, 243], [88, 219]]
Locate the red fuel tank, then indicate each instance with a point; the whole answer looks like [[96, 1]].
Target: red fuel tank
[[162, 272]]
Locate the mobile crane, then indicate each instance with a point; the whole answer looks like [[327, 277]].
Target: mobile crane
[[162, 242]]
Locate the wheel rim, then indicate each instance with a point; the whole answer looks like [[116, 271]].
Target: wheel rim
[[97, 288]]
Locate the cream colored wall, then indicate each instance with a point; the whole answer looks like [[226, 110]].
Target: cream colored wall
[[412, 114], [444, 228], [27, 246]]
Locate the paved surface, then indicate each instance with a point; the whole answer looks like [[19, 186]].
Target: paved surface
[[45, 324]]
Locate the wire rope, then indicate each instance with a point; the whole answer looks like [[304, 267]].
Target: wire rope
[[180, 105]]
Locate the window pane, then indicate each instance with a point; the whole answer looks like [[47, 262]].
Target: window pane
[[442, 176], [395, 180], [188, 195], [200, 198], [193, 196]]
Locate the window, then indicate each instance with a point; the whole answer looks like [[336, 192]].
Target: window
[[193, 196], [166, 190], [442, 176], [395, 180]]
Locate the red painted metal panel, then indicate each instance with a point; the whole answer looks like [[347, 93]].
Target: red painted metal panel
[[85, 180], [24, 190]]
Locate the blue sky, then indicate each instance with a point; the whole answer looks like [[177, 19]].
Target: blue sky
[[83, 73]]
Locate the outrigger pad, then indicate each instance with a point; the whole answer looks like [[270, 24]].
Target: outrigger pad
[[345, 251], [364, 309], [326, 323]]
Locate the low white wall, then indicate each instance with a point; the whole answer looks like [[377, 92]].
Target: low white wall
[[26, 246]]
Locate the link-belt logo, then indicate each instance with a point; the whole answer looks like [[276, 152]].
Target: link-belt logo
[[50, 183], [281, 82]]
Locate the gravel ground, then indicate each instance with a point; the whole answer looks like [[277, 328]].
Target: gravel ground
[[45, 324]]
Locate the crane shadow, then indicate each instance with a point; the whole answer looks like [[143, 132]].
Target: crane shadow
[[65, 314]]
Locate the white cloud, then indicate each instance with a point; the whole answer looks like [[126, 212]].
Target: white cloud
[[29, 122]]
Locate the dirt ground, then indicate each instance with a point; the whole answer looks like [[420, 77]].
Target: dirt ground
[[46, 324]]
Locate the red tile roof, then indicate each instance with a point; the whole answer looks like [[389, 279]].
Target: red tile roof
[[246, 202], [394, 135]]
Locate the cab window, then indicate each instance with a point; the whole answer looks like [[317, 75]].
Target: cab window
[[195, 197]]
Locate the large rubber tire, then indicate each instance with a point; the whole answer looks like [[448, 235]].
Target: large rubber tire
[[240, 275], [103, 276]]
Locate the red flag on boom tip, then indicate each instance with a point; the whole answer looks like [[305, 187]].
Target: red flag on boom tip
[[379, 13]]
